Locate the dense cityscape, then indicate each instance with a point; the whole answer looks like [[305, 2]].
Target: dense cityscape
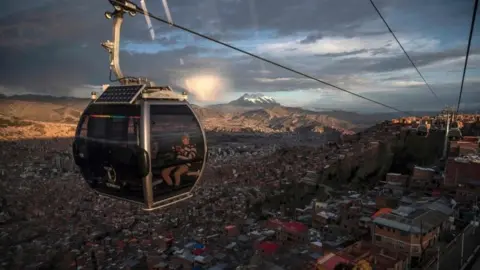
[[355, 201]]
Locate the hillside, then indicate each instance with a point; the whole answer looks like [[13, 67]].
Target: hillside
[[54, 111], [360, 119], [226, 117], [292, 119]]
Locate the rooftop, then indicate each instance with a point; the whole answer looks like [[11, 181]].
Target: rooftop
[[295, 227], [424, 169], [330, 260], [421, 216], [381, 212], [268, 247]]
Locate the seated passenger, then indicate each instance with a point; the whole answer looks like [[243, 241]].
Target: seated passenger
[[186, 151]]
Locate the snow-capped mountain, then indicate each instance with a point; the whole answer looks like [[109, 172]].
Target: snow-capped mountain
[[258, 100]]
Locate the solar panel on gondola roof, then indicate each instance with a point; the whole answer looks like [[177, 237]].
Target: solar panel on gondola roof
[[122, 94]]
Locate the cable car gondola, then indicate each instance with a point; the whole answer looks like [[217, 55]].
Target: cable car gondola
[[423, 129], [139, 142], [454, 134]]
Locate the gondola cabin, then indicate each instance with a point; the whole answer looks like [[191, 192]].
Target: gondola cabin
[[423, 128], [141, 144], [454, 134]]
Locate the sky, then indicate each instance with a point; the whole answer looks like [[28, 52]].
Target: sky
[[53, 47]]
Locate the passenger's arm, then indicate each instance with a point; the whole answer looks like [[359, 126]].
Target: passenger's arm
[[192, 153]]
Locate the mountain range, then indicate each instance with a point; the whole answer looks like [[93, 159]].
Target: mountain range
[[254, 100], [250, 112]]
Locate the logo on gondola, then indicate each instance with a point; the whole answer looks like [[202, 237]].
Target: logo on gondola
[[111, 174], [112, 177]]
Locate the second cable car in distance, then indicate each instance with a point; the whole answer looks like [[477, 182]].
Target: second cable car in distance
[[423, 128], [454, 134], [139, 142]]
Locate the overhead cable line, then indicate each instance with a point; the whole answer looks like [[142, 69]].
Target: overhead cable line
[[405, 52], [472, 26], [140, 10]]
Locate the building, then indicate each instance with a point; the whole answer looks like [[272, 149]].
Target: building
[[350, 212], [422, 177], [329, 261], [412, 229], [293, 233], [267, 248], [467, 147], [290, 232], [463, 171], [321, 215], [384, 201], [396, 179], [232, 231], [396, 183], [316, 247], [375, 257]]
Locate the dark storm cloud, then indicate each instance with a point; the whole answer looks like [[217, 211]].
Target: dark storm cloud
[[356, 65], [52, 45], [284, 16], [420, 59], [411, 99], [417, 98]]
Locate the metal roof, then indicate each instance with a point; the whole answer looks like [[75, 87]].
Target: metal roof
[[392, 223]]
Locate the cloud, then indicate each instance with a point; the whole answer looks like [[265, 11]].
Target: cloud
[[412, 98], [406, 83], [421, 59], [311, 38], [206, 88], [280, 80], [359, 47], [53, 46]]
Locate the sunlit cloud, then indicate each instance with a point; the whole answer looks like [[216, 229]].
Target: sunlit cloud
[[406, 83], [206, 87]]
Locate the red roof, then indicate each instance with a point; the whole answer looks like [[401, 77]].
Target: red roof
[[198, 251], [381, 212], [295, 227], [268, 247]]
